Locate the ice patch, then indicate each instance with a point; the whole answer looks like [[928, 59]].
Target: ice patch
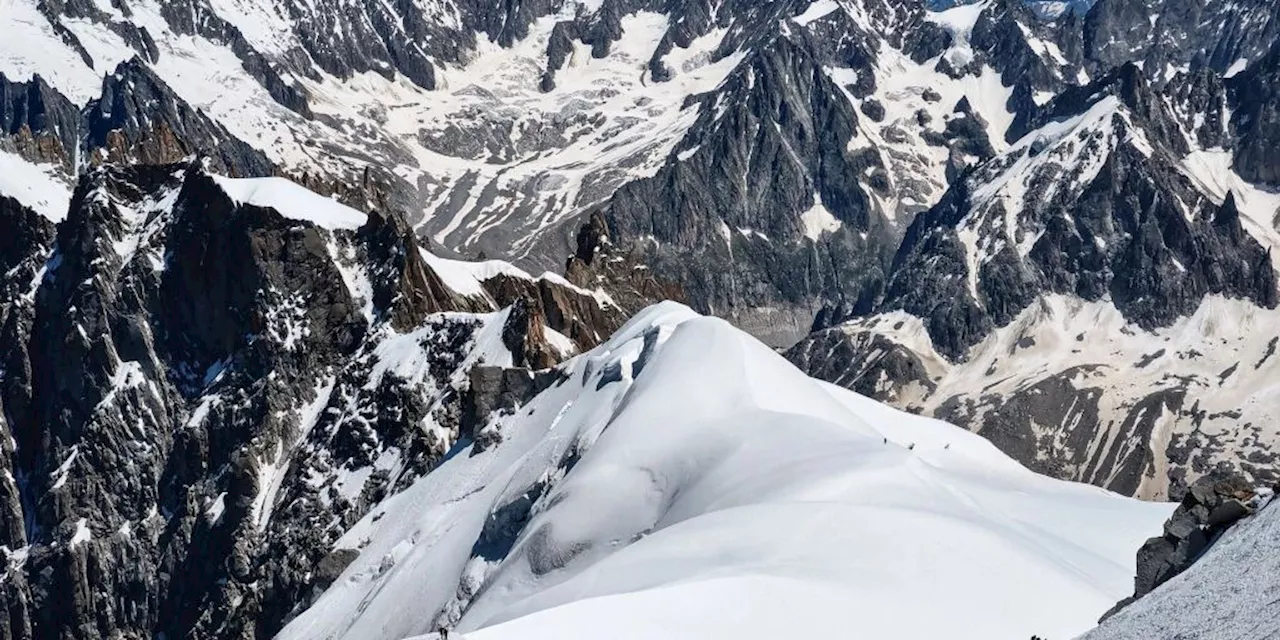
[[816, 11], [82, 534], [817, 220], [1236, 67], [959, 21]]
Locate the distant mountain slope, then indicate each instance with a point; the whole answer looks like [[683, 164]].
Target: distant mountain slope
[[1096, 299], [497, 129]]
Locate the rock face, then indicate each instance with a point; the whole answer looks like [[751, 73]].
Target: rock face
[[1211, 506], [1176, 34], [204, 392], [24, 251], [736, 242], [598, 263], [1121, 222], [138, 119], [495, 389], [1256, 118], [38, 123], [868, 363], [1227, 593]]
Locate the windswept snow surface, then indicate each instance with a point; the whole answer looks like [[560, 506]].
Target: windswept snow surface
[[34, 186], [685, 481], [292, 201]]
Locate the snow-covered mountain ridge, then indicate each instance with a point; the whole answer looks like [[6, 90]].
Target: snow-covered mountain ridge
[[345, 420], [641, 497]]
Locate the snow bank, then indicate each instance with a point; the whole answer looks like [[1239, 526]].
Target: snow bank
[[467, 278], [34, 186], [291, 201], [687, 482]]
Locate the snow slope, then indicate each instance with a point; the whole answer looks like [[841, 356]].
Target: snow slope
[[489, 151], [493, 160], [35, 186], [684, 481], [292, 201], [1210, 170]]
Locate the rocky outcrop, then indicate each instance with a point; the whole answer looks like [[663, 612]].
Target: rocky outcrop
[[140, 119], [1170, 34], [1211, 507], [1008, 37], [597, 263], [204, 394], [38, 123], [403, 285], [499, 389], [137, 119], [584, 316], [868, 363], [25, 245], [1229, 591], [1256, 118], [725, 222]]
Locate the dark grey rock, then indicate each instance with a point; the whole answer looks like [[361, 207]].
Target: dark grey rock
[[140, 119], [1227, 513], [38, 123], [147, 384], [499, 389], [1172, 33], [1256, 118], [1211, 506]]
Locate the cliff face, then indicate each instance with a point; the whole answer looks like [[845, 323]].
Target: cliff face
[[251, 374]]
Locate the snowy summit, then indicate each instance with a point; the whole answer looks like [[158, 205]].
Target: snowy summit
[[684, 481]]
